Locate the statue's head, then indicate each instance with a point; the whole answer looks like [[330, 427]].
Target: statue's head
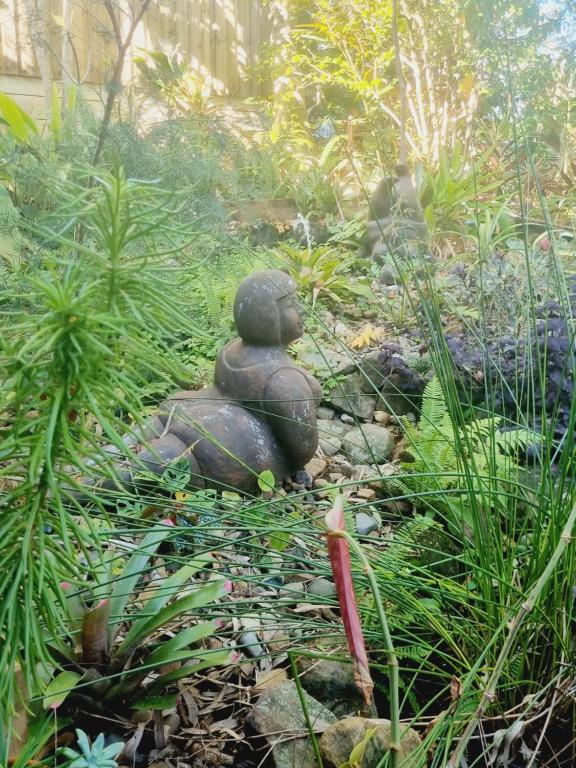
[[266, 309]]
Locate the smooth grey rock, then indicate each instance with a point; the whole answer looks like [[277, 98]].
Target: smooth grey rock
[[365, 524], [335, 428], [369, 444], [277, 714], [330, 445], [251, 645], [349, 396], [346, 419], [321, 587], [325, 413], [339, 739]]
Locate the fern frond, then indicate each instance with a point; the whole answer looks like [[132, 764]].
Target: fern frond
[[433, 408]]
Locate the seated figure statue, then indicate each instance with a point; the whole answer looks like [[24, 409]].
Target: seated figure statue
[[260, 414], [396, 225]]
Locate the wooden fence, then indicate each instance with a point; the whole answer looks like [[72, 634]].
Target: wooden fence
[[221, 40]]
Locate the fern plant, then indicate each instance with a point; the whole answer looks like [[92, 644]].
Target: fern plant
[[447, 463]]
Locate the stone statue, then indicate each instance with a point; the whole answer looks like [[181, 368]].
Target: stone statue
[[396, 224], [260, 414]]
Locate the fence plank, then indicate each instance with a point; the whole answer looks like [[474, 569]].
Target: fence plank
[[218, 38]]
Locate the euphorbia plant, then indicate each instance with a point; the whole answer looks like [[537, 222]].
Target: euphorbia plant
[[339, 544]]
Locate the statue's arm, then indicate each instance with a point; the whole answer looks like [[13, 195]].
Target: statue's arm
[[290, 403]]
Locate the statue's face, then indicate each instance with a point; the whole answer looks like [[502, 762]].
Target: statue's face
[[291, 314]]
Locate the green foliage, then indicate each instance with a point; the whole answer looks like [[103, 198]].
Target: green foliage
[[83, 337], [450, 468], [165, 77], [94, 755], [452, 193], [322, 272], [115, 647]]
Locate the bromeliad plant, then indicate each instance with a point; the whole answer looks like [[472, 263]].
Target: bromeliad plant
[[111, 652], [322, 273]]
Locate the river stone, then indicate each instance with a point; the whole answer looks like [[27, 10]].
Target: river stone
[[339, 739], [278, 714], [330, 445], [324, 413], [332, 683], [349, 396], [365, 524], [369, 444], [321, 587]]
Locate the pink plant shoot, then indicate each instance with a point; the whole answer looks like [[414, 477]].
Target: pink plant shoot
[[339, 553]]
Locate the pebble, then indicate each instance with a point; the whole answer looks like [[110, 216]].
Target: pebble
[[370, 444], [294, 590], [346, 419], [275, 581], [397, 507], [382, 417], [325, 413], [341, 330], [251, 645], [330, 445], [343, 466], [303, 478], [319, 485], [365, 524], [321, 587], [366, 493], [315, 467], [363, 472]]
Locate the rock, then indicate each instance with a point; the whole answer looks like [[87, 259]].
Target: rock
[[319, 488], [364, 472], [346, 419], [343, 466], [387, 276], [369, 444], [330, 446], [330, 434], [382, 417], [293, 591], [321, 587], [350, 397], [277, 714], [332, 683], [315, 467], [251, 645], [339, 739], [365, 524], [275, 581], [400, 507], [366, 493], [303, 479], [325, 413]]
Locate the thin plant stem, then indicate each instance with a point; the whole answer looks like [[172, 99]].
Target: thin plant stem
[[300, 691], [490, 691]]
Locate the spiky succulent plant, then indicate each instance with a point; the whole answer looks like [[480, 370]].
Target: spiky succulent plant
[[94, 755]]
